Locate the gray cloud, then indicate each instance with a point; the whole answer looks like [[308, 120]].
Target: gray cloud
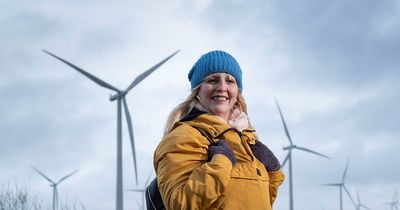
[[332, 66]]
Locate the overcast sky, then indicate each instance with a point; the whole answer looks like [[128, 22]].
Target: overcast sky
[[333, 66]]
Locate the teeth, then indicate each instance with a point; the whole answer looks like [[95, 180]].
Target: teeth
[[220, 98]]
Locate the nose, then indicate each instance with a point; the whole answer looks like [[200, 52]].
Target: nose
[[222, 86]]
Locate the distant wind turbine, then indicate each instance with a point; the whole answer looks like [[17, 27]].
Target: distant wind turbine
[[120, 97], [54, 185], [289, 156], [142, 191], [395, 201], [342, 186], [359, 205]]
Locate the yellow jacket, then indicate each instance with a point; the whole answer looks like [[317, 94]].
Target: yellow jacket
[[187, 181]]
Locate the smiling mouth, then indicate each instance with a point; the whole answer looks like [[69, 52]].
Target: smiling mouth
[[219, 98]]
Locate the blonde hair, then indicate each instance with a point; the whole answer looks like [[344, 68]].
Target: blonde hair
[[184, 108]]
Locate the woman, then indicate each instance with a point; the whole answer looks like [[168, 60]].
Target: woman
[[210, 157]]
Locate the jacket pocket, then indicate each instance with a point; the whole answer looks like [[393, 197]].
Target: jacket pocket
[[250, 171], [248, 188]]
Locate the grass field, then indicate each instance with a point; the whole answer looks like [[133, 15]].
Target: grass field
[[20, 197]]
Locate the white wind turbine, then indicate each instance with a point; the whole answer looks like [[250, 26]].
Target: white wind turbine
[[142, 191], [395, 201], [289, 156], [120, 97], [342, 186], [54, 185], [359, 205]]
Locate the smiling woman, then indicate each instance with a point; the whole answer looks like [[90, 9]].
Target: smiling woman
[[218, 94], [210, 156]]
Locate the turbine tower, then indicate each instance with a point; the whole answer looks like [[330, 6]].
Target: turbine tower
[[342, 186], [359, 205], [142, 190], [395, 201], [54, 185], [120, 97], [289, 156]]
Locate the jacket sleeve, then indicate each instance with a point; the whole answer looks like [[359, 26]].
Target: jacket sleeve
[[186, 179], [275, 180]]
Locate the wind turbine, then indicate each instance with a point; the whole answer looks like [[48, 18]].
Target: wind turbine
[[142, 190], [359, 205], [395, 201], [120, 97], [289, 156], [342, 186], [54, 185]]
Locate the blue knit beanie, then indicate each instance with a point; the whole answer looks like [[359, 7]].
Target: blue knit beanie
[[215, 62]]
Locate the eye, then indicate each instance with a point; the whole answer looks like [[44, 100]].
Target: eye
[[212, 80], [231, 80]]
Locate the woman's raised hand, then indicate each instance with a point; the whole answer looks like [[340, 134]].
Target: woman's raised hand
[[238, 120]]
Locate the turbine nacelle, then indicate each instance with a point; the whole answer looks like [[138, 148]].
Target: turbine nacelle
[[290, 147], [118, 95]]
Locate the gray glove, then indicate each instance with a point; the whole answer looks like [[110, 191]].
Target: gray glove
[[221, 147], [265, 156]]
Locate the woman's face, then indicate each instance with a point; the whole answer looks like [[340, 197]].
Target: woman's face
[[218, 93]]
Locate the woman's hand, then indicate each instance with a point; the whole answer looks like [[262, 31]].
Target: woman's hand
[[221, 147], [265, 156], [238, 120]]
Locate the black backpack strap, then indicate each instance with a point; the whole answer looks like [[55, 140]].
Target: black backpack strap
[[153, 197], [206, 134]]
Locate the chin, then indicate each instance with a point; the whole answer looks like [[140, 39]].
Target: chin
[[221, 112]]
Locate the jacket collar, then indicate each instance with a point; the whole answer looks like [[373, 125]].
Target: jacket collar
[[192, 114], [212, 124]]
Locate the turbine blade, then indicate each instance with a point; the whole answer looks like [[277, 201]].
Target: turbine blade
[[311, 151], [42, 174], [286, 159], [348, 194], [87, 74], [283, 122], [364, 206], [345, 170], [82, 205], [137, 202], [131, 137], [333, 184], [65, 177], [358, 197], [139, 78], [136, 190]]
